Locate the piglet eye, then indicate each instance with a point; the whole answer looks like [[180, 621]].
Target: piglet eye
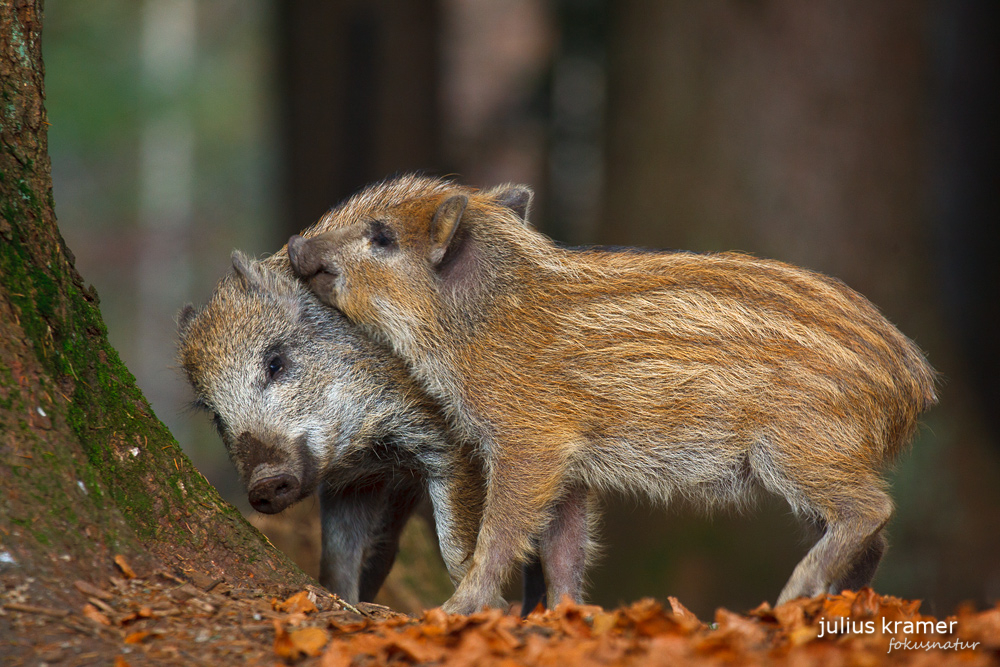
[[275, 367], [382, 236]]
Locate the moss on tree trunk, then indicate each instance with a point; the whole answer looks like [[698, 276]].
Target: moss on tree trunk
[[86, 468]]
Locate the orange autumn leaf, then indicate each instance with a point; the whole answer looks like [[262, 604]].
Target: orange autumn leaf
[[337, 655], [298, 643], [604, 622], [374, 646], [791, 617], [645, 632], [472, 650], [867, 603], [414, 650], [739, 629], [802, 635], [838, 607], [302, 602], [649, 618], [283, 646], [91, 612], [983, 627], [573, 623], [137, 637], [348, 624], [124, 567], [435, 622], [309, 641], [683, 615]]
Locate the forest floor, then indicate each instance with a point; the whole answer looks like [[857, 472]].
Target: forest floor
[[160, 619]]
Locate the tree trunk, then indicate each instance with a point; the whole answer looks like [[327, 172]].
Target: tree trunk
[[355, 101], [87, 470]]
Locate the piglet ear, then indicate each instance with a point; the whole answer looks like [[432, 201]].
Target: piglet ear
[[445, 224], [184, 318], [515, 197], [242, 265]]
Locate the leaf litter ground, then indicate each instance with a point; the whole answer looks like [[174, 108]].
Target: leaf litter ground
[[162, 619]]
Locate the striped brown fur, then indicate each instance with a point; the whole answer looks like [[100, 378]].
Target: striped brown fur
[[708, 377]]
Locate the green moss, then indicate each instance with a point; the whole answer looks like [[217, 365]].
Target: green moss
[[20, 285], [104, 412], [19, 44], [69, 339], [28, 195], [10, 390], [176, 483], [9, 211], [88, 476]]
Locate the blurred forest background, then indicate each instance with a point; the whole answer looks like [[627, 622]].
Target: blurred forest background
[[859, 139]]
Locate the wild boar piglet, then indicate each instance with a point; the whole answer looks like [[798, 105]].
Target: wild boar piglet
[[305, 403], [577, 372]]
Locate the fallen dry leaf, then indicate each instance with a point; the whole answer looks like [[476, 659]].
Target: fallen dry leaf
[[415, 650], [737, 626], [298, 643], [604, 622], [124, 567], [684, 615], [649, 619], [283, 645], [91, 612], [303, 602], [143, 612], [348, 624], [983, 627], [137, 637], [160, 627], [802, 635], [790, 616], [309, 640], [336, 656], [93, 591], [837, 607]]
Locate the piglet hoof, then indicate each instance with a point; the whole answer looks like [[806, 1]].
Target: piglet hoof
[[790, 593], [470, 604]]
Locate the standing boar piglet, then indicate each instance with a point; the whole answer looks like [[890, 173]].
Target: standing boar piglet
[[305, 403], [709, 377]]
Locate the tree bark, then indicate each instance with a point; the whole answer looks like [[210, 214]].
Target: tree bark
[[87, 470]]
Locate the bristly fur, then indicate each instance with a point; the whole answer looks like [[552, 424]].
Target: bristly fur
[[341, 417], [702, 376]]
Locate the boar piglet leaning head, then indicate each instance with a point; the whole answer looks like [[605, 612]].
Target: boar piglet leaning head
[[387, 256], [277, 371]]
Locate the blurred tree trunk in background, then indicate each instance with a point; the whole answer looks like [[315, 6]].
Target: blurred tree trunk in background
[[966, 178], [87, 471], [799, 131], [360, 99], [359, 103]]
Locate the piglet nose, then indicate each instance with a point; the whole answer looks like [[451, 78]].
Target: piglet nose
[[273, 494], [300, 260]]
